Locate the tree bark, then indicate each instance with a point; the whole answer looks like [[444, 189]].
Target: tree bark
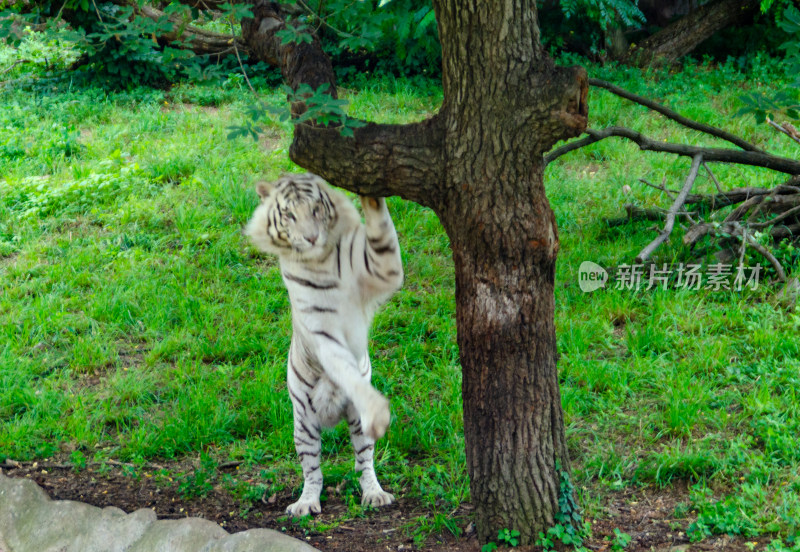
[[685, 34], [479, 165]]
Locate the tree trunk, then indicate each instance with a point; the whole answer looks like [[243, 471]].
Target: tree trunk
[[479, 165], [513, 423], [685, 34], [504, 106]]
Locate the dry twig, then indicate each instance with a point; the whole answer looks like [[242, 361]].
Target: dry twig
[[673, 211], [753, 158], [678, 118], [787, 129], [782, 203]]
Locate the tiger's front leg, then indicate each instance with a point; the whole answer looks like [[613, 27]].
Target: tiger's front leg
[[383, 249], [372, 494]]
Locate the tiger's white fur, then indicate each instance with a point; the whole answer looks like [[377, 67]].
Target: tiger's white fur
[[338, 271]]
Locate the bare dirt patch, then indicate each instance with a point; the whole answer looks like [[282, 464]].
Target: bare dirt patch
[[271, 140], [645, 514], [8, 260], [188, 107]]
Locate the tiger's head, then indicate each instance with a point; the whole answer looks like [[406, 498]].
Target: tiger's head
[[297, 216]]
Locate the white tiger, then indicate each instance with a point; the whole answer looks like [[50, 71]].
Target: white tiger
[[338, 271]]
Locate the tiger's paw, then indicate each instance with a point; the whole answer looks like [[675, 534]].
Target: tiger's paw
[[303, 508], [377, 498], [371, 202], [375, 421]]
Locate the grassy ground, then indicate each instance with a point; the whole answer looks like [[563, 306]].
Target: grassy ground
[[137, 324]]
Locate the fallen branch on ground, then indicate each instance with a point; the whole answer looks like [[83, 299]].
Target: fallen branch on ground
[[635, 212], [728, 229], [755, 209], [673, 211]]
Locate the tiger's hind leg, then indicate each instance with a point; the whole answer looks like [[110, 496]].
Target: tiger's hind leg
[[307, 443], [372, 494]]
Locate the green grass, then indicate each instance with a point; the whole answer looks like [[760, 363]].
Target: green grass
[[136, 323]]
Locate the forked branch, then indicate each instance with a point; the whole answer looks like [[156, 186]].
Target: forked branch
[[677, 205], [728, 229]]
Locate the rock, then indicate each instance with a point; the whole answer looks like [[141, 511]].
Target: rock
[[673, 548], [31, 522], [179, 534]]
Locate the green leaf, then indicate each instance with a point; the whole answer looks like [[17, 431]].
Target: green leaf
[[295, 34], [426, 21], [237, 12], [244, 131]]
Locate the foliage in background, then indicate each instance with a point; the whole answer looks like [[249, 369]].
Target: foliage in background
[[785, 102], [118, 47], [385, 37], [388, 36], [605, 13], [121, 51], [51, 51], [583, 25]]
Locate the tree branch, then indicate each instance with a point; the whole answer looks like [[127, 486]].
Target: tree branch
[[714, 178], [684, 35], [753, 158], [694, 234], [779, 233], [671, 193], [673, 211], [673, 115], [10, 67], [200, 41], [776, 220], [785, 128], [379, 160], [738, 195], [739, 231], [742, 209]]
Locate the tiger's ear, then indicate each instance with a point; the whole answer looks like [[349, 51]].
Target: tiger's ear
[[263, 189]]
